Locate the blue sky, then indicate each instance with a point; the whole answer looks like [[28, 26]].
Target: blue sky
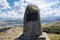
[[16, 8]]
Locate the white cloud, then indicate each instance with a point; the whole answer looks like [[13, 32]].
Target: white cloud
[[19, 8], [0, 11], [56, 12], [3, 15], [51, 1], [18, 11], [45, 9], [46, 12], [41, 3], [4, 4], [11, 14], [19, 5]]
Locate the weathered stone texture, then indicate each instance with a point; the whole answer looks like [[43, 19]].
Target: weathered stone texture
[[32, 25]]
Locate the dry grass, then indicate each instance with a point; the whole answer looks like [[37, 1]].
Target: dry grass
[[10, 34], [54, 36], [13, 32]]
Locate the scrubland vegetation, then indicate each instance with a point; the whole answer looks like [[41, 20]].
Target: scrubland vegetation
[[10, 34], [52, 29]]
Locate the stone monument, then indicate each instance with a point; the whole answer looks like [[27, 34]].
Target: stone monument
[[32, 25]]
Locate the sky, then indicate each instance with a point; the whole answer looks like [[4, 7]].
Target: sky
[[16, 8]]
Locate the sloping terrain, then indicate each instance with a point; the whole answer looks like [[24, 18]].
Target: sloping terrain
[[54, 30], [55, 24], [10, 34]]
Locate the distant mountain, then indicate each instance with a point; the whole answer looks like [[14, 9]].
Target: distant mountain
[[11, 18], [19, 21], [49, 19], [11, 23], [56, 24]]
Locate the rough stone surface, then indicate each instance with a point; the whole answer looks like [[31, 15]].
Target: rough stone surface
[[32, 24], [44, 36]]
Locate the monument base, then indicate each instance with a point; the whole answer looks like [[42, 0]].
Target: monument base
[[44, 36]]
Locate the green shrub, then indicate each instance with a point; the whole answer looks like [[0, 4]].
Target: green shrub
[[51, 29]]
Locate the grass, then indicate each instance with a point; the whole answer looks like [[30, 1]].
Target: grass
[[10, 34], [13, 32], [54, 36]]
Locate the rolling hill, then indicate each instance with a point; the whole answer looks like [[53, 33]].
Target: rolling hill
[[52, 29], [10, 34], [13, 32], [55, 24]]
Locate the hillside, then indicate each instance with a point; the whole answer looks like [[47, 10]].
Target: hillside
[[53, 30], [10, 23], [14, 31], [52, 27], [10, 34], [55, 24]]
